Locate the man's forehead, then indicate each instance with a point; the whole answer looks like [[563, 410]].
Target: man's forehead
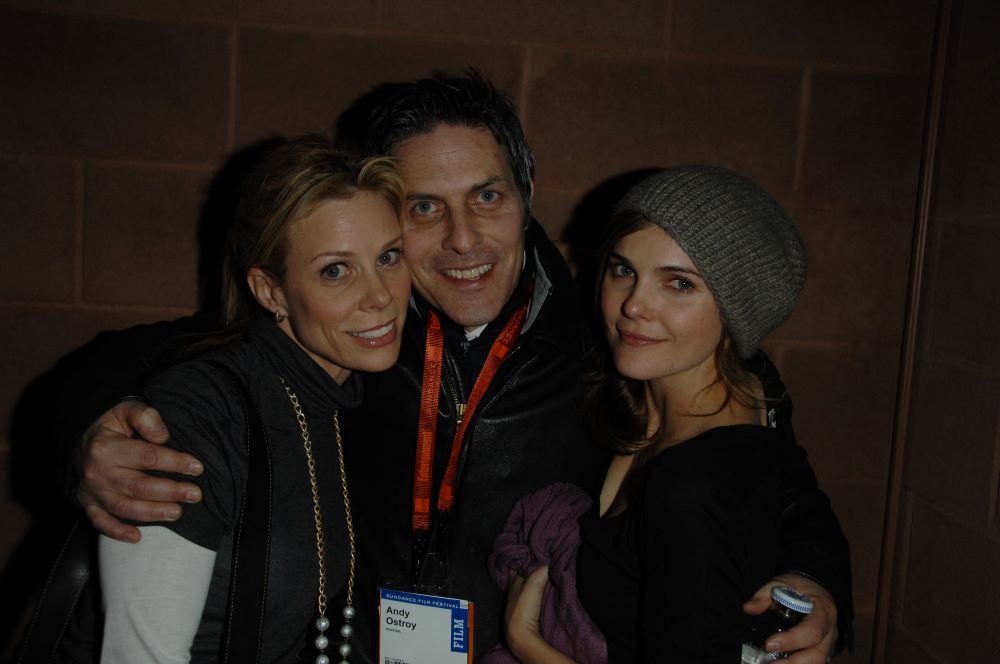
[[471, 155]]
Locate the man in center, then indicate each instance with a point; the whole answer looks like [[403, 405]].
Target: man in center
[[486, 282]]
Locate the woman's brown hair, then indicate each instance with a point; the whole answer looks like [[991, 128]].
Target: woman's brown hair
[[616, 405]]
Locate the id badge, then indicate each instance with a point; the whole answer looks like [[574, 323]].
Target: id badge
[[423, 629]]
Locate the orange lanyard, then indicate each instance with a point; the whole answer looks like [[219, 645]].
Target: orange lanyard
[[430, 392]]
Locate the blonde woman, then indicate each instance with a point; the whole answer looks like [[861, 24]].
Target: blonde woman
[[315, 289]]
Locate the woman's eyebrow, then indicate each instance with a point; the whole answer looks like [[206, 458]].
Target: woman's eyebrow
[[679, 268]]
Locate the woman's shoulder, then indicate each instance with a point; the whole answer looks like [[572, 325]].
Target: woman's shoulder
[[720, 461], [203, 386], [719, 444], [215, 365]]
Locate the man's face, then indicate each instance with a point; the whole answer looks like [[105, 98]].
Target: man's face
[[463, 226]]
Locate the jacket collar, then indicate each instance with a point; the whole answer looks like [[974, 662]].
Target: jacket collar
[[555, 315]]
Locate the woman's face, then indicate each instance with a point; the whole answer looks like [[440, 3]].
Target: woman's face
[[346, 288], [660, 318]]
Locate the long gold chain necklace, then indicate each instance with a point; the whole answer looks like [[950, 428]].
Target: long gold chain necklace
[[322, 622]]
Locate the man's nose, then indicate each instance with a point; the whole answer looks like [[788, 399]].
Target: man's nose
[[463, 233]]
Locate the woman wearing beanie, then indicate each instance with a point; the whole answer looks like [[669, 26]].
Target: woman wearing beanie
[[699, 265]]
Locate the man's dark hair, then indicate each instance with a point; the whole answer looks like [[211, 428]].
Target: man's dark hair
[[411, 109]]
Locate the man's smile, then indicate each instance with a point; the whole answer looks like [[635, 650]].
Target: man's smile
[[469, 274]]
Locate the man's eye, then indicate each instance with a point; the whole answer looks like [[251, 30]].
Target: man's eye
[[391, 257], [334, 271], [489, 196], [423, 208]]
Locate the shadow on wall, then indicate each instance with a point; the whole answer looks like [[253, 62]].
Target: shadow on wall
[[40, 464], [217, 215], [588, 226]]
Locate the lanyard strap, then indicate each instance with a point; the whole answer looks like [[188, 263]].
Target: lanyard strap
[[430, 391]]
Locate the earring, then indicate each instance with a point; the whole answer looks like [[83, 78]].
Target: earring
[[278, 317]]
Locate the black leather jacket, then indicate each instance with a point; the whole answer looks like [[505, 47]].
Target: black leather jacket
[[526, 433]]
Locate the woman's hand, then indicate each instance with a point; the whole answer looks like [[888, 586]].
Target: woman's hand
[[813, 639], [521, 619]]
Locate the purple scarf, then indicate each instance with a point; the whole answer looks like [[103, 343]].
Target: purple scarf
[[542, 529]]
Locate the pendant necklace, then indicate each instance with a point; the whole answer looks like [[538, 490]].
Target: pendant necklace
[[322, 623]]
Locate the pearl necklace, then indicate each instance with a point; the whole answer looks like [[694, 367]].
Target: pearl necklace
[[322, 623]]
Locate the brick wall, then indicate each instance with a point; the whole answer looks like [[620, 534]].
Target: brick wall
[[116, 115], [946, 599]]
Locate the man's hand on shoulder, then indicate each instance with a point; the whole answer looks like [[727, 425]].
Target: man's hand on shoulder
[[812, 641], [114, 482]]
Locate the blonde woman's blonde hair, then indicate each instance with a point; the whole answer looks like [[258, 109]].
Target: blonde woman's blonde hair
[[286, 186]]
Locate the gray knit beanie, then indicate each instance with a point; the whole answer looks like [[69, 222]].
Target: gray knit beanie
[[744, 244]]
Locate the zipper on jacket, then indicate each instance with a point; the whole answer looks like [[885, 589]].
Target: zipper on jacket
[[453, 393], [451, 385]]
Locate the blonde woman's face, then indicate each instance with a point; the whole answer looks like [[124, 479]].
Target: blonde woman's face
[[346, 287], [661, 320]]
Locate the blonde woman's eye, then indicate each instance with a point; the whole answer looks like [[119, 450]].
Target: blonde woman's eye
[[391, 257], [334, 271]]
